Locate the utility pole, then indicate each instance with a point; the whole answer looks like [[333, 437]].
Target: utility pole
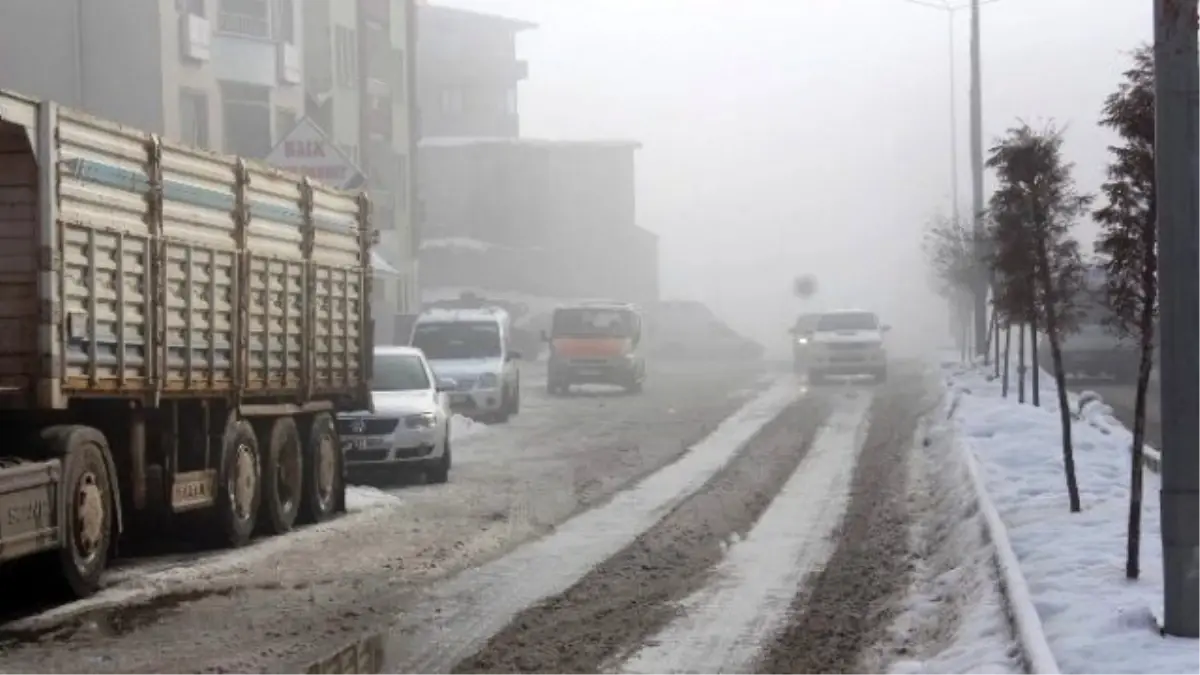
[[981, 281], [1176, 123]]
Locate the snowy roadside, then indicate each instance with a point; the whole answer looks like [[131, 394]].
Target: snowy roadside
[[954, 617], [1094, 620]]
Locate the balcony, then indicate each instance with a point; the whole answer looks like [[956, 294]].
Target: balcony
[[244, 25]]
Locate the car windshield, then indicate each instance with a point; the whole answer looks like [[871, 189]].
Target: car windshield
[[399, 372], [589, 322], [458, 339], [847, 321]]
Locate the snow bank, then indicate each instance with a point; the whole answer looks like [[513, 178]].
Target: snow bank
[[462, 428], [1094, 620], [955, 618]]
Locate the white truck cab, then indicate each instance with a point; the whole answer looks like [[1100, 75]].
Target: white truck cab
[[847, 342], [472, 348]]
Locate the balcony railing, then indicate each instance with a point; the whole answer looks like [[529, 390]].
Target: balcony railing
[[246, 25]]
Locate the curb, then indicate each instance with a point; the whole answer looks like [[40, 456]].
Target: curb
[[364, 655], [1022, 613]]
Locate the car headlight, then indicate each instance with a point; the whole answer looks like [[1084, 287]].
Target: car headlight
[[801, 341], [487, 381], [420, 421]]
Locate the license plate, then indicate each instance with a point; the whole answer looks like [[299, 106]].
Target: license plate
[[354, 444]]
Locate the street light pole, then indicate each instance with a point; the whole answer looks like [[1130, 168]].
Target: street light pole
[[981, 282], [1176, 124], [954, 203]]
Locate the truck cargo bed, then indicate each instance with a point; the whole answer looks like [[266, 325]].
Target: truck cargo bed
[[131, 266]]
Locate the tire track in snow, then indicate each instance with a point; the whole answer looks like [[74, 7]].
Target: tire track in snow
[[722, 627], [854, 598], [457, 617]]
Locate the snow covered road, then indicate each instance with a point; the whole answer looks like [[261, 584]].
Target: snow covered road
[[722, 521], [285, 598]]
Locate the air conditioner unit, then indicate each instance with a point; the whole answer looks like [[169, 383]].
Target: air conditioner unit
[[289, 63], [195, 37]]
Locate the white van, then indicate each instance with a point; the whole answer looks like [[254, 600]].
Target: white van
[[472, 350]]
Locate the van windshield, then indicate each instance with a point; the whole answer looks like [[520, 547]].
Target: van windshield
[[592, 322], [458, 340], [848, 321]]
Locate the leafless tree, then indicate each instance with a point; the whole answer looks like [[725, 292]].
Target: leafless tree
[[1128, 247], [949, 247], [1036, 194]]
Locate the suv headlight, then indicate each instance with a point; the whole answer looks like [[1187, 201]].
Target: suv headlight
[[487, 381], [420, 421]]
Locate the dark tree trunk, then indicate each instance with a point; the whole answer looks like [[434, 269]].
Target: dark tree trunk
[[1021, 363], [996, 332], [1146, 325], [1036, 383], [1007, 348], [1060, 377]]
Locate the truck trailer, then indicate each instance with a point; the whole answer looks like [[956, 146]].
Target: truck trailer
[[178, 330]]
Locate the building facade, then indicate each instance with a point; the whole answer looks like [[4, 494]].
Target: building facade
[[239, 76], [219, 74], [552, 218], [469, 72]]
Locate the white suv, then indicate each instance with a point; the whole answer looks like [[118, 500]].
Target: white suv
[[847, 342], [472, 348]]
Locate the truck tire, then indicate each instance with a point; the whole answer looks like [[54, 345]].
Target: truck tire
[[283, 476], [324, 486], [88, 514], [239, 492]]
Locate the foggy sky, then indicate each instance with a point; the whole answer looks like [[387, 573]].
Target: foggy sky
[[789, 136]]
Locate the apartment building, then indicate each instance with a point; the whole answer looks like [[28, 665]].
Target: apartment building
[[469, 72], [220, 74], [359, 75], [542, 217]]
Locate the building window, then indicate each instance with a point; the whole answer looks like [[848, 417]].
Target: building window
[[251, 18], [193, 118], [246, 113], [452, 101], [285, 121], [510, 101], [284, 15], [346, 55]]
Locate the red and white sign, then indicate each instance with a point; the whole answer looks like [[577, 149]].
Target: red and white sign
[[306, 150]]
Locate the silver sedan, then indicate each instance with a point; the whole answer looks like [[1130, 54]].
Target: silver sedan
[[410, 426]]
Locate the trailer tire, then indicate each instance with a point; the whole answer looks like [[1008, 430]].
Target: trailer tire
[[324, 491], [239, 492], [88, 501], [283, 477]]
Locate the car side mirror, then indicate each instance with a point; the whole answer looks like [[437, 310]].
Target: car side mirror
[[445, 384]]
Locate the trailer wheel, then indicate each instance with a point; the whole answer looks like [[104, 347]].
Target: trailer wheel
[[283, 477], [88, 515], [240, 489], [324, 486]]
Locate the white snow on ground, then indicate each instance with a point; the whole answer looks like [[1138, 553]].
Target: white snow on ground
[[723, 626], [479, 602], [954, 618], [462, 428], [364, 497], [1094, 619]]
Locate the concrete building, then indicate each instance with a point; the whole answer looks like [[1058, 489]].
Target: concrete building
[[359, 75], [232, 75], [222, 75], [469, 73], [552, 218]]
